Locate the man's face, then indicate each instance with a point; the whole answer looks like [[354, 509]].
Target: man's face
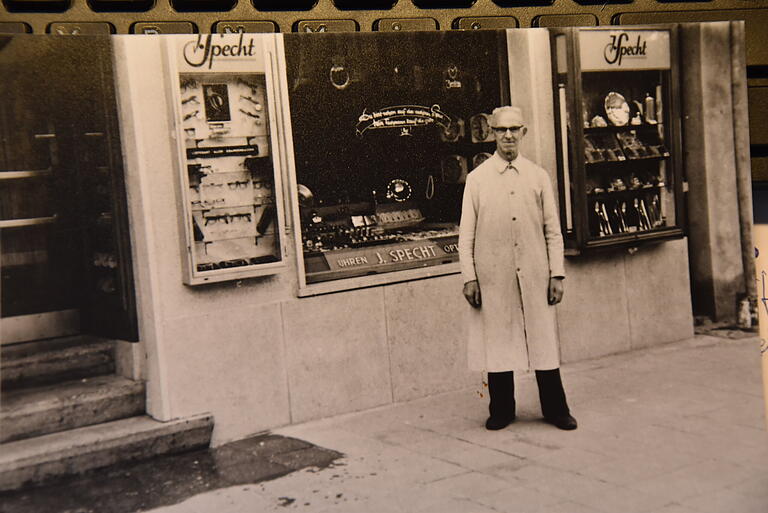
[[508, 133]]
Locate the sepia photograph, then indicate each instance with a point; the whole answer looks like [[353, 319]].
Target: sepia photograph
[[462, 271]]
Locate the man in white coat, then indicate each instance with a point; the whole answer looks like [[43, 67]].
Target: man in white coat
[[511, 253]]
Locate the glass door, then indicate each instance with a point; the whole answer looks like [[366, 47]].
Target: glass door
[[65, 254], [37, 252]]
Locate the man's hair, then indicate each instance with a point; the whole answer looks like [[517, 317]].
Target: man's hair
[[509, 108]]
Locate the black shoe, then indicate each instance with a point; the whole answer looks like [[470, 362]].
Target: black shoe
[[567, 423], [496, 423]]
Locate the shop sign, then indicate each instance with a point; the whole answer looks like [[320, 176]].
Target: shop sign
[[401, 117], [406, 252], [218, 52], [604, 50]]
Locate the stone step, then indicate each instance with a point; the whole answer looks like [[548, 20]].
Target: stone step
[[39, 460], [31, 412], [54, 360]]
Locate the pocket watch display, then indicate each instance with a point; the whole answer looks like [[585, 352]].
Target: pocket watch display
[[454, 168], [480, 128], [399, 190], [453, 132], [479, 158]]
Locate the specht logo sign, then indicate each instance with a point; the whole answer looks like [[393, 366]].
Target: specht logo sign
[[204, 50], [610, 49], [618, 48]]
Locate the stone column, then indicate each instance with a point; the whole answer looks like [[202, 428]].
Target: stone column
[[710, 166]]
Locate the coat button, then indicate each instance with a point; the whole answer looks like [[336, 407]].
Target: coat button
[[514, 219]]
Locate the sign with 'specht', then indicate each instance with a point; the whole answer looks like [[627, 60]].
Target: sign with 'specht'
[[611, 49]]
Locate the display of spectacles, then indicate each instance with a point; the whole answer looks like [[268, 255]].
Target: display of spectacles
[[231, 187], [623, 158]]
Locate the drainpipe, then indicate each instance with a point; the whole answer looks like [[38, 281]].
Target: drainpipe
[[747, 305]]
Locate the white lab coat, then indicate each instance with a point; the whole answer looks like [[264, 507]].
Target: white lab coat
[[510, 241]]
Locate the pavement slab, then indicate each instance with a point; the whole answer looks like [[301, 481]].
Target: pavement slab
[[673, 429]]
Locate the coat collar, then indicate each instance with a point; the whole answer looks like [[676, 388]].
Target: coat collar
[[500, 164]]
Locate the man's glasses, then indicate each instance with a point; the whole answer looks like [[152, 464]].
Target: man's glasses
[[502, 130]]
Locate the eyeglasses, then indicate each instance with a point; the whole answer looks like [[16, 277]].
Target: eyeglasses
[[216, 220], [240, 218], [227, 218], [502, 130], [239, 184]]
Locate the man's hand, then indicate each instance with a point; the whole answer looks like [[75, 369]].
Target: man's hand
[[472, 293], [555, 292]]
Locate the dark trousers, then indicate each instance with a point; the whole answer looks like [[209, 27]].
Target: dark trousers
[[501, 388]]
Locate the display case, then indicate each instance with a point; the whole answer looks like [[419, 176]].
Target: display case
[[230, 168], [619, 136], [382, 139]]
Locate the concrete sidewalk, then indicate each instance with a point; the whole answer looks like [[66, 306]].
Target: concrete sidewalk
[[672, 429]]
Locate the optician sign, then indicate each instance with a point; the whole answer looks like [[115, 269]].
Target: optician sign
[[219, 52], [605, 50]]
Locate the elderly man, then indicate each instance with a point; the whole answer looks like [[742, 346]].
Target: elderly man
[[511, 253]]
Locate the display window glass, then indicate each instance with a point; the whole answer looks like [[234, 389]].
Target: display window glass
[[382, 139], [620, 136], [224, 111]]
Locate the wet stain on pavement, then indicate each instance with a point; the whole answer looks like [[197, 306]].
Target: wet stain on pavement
[[167, 480]]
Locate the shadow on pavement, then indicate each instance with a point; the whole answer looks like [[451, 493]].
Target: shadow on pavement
[[167, 480]]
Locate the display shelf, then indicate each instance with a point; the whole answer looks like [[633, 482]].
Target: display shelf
[[608, 163], [631, 239], [624, 193], [616, 129], [652, 158], [623, 169]]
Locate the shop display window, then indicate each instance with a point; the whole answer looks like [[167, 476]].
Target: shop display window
[[230, 179], [383, 138], [619, 136]]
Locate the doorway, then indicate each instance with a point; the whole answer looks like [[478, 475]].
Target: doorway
[[65, 256]]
